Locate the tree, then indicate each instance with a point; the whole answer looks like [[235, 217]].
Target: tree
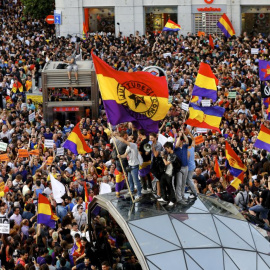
[[38, 9]]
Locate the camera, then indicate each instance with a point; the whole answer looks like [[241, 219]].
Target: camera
[[128, 169]]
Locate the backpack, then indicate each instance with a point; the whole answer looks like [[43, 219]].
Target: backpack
[[244, 203], [227, 197], [177, 164]]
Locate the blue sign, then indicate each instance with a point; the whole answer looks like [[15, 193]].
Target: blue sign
[[57, 17]]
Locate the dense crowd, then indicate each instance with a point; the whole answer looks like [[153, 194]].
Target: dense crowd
[[25, 46]]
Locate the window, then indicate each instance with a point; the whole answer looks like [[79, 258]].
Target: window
[[207, 22]]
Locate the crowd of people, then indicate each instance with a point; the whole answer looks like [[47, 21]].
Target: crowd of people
[[167, 171]]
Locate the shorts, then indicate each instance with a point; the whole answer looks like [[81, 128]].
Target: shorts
[[260, 209], [74, 67]]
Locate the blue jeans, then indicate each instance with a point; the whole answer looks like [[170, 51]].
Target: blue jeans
[[133, 176]]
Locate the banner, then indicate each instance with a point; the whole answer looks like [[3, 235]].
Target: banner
[[4, 157], [31, 117], [48, 143], [199, 139], [184, 106], [201, 130], [49, 160], [3, 146], [60, 151], [4, 225], [232, 94], [34, 152], [206, 102], [23, 153]]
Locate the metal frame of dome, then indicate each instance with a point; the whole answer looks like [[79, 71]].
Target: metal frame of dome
[[206, 234]]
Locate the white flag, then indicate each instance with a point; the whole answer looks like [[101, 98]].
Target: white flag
[[58, 189]]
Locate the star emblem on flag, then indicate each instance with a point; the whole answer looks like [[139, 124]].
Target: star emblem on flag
[[137, 100], [266, 71]]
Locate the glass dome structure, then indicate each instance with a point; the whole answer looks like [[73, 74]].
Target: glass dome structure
[[205, 234]]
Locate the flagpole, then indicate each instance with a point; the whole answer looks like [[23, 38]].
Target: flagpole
[[124, 172]]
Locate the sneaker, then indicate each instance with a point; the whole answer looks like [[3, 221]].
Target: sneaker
[[162, 200], [156, 196], [138, 199], [171, 204], [69, 81], [149, 190], [144, 191], [185, 199], [182, 202], [76, 81], [192, 196]]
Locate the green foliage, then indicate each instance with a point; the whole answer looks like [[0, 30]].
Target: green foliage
[[38, 9]]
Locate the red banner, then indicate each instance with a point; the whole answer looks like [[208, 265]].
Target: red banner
[[66, 109]]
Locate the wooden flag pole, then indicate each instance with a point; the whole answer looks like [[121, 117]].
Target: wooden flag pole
[[123, 169]]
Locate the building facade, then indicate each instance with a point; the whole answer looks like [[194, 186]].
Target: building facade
[[129, 16]]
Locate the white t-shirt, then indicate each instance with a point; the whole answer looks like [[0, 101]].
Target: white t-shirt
[[132, 151]]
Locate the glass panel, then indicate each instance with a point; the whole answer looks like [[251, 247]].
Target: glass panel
[[239, 227], [191, 264], [243, 259], [151, 266], [149, 243], [261, 265], [202, 223], [209, 258], [229, 238], [169, 260], [161, 222], [266, 258], [261, 243], [190, 238], [229, 264], [198, 204], [144, 209], [218, 207]]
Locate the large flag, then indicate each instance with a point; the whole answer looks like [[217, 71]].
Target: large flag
[[264, 70], [58, 189], [225, 26], [234, 162], [263, 140], [234, 185], [205, 117], [217, 168], [171, 26], [76, 143], [138, 97], [206, 83], [45, 214], [17, 86]]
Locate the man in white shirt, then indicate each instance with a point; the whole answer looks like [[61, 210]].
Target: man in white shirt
[[133, 161]]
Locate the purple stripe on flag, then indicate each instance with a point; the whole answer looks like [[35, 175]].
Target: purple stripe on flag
[[71, 146], [117, 114], [46, 220], [170, 29], [203, 92], [263, 70], [262, 145], [224, 30], [119, 186]]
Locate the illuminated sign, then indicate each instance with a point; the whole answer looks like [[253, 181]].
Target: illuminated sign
[[208, 9], [208, 1], [66, 109]]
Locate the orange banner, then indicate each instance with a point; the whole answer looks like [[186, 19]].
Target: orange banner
[[199, 139], [49, 160], [23, 153], [4, 157], [34, 152]]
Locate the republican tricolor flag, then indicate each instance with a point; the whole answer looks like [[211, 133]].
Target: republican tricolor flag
[[206, 83], [225, 26], [171, 26]]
